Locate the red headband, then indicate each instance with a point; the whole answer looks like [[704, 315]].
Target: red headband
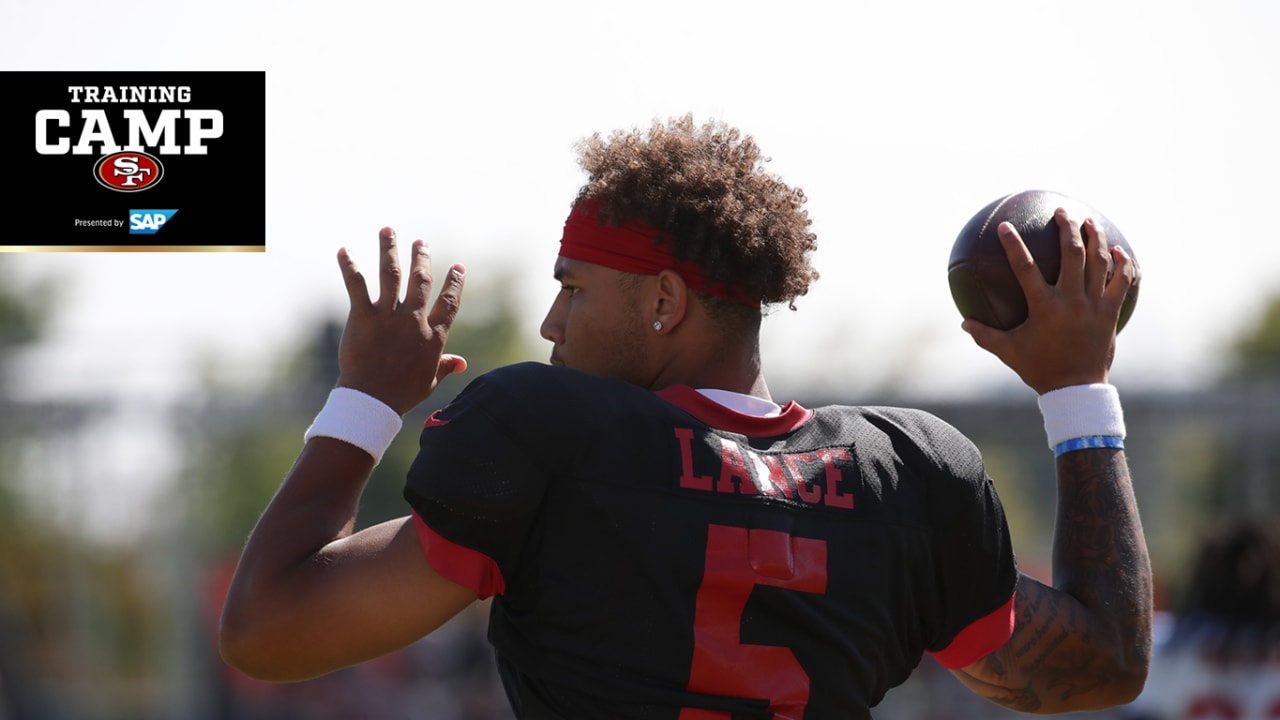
[[638, 248]]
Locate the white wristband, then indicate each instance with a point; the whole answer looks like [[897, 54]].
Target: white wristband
[[1081, 411], [356, 418]]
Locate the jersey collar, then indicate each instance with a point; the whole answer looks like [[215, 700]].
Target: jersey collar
[[712, 413]]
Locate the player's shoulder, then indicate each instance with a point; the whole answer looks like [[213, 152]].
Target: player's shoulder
[[916, 435], [532, 376], [531, 370], [539, 387], [897, 421]]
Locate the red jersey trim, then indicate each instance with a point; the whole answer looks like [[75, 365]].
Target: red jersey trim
[[716, 415], [460, 564], [983, 637], [433, 420]]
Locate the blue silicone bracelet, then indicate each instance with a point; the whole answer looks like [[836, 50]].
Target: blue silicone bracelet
[[1089, 441]]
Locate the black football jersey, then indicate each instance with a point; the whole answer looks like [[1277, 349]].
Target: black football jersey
[[658, 556]]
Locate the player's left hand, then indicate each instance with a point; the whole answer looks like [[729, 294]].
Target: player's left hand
[[1069, 336], [393, 349]]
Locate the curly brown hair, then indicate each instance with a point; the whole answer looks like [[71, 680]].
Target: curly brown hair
[[706, 188]]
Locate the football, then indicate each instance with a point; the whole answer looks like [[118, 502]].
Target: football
[[982, 282]]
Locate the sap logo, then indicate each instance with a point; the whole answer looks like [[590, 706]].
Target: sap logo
[[128, 171], [147, 222]]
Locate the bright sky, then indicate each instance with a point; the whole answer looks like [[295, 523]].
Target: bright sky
[[455, 122]]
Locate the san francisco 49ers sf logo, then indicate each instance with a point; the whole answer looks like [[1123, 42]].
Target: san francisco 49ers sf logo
[[128, 171]]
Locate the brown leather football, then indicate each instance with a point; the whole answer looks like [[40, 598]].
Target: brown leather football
[[982, 283]]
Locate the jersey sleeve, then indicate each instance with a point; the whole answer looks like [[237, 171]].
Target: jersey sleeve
[[975, 570], [475, 486]]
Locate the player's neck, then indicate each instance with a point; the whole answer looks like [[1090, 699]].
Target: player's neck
[[712, 366]]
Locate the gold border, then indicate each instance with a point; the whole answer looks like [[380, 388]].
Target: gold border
[[131, 248]]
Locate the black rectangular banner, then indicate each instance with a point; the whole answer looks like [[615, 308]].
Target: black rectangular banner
[[128, 161]]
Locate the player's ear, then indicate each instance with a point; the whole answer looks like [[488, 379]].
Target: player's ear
[[670, 300]]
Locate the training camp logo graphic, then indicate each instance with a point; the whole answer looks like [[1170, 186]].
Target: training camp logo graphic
[[127, 168], [190, 140], [128, 171]]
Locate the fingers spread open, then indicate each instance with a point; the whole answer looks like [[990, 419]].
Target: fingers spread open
[[389, 270], [357, 290], [1124, 275], [448, 301], [420, 279], [988, 338], [1021, 262], [1098, 258], [1073, 253], [449, 365]]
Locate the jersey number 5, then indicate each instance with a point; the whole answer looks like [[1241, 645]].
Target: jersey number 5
[[737, 560]]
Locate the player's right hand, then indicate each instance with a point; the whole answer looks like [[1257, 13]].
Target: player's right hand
[[393, 349], [1069, 336]]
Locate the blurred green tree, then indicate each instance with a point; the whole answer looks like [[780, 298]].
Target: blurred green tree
[[1255, 354], [1246, 480], [1227, 467], [25, 309], [28, 546]]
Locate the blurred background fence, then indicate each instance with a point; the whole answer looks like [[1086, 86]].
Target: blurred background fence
[[109, 596]]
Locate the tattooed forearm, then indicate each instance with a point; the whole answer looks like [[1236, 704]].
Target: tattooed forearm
[[1022, 699], [1100, 555], [1084, 643], [1035, 607]]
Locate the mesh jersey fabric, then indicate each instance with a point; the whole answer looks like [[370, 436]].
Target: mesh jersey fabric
[[657, 556]]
